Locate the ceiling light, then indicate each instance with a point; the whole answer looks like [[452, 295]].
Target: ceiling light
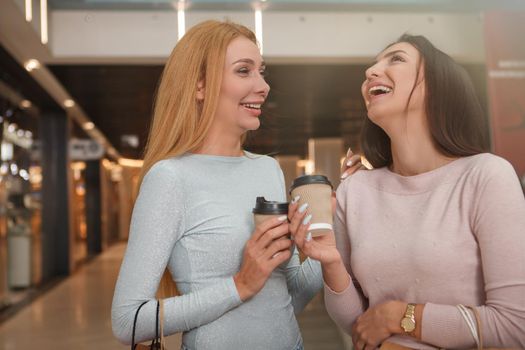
[[25, 104], [29, 10], [31, 65], [259, 28], [88, 126], [181, 20], [69, 103], [43, 21]]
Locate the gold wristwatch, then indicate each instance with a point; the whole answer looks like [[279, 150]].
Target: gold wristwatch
[[408, 322]]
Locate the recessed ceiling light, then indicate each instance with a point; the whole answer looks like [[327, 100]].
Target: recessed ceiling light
[[69, 103], [88, 126], [31, 65]]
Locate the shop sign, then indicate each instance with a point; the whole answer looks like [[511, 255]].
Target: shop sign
[[85, 149]]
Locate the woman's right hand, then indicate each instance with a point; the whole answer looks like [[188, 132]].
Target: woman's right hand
[[351, 164], [321, 248], [268, 247]]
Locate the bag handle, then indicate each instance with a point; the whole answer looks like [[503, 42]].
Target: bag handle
[[474, 323], [135, 325], [162, 341], [478, 326]]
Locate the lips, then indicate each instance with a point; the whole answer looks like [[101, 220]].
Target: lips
[[377, 89], [254, 108], [252, 105]]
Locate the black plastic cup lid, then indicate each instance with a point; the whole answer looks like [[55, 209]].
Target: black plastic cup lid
[[264, 207], [309, 180]]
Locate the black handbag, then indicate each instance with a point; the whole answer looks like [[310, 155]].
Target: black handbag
[[158, 342]]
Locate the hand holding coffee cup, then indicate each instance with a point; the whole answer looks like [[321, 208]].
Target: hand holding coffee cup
[[264, 251], [322, 247], [314, 192]]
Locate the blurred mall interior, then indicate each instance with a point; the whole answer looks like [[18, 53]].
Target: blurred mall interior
[[77, 82]]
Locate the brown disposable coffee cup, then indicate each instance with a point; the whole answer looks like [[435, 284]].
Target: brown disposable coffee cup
[[265, 210], [316, 190]]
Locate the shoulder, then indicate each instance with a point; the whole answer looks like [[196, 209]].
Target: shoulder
[[360, 178], [263, 160], [487, 166], [358, 184], [164, 171]]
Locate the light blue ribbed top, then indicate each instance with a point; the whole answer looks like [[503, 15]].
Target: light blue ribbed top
[[193, 214]]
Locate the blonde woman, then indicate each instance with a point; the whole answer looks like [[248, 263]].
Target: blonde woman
[[240, 286]]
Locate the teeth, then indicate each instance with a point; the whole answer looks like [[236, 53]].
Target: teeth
[[382, 88], [252, 105]]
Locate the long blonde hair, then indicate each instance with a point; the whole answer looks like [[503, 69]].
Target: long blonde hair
[[180, 121]]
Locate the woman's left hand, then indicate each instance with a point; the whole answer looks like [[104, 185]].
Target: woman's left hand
[[377, 324]]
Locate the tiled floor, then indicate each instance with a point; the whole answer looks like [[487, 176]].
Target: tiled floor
[[76, 315]]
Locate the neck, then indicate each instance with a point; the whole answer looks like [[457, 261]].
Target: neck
[[221, 143], [413, 151]]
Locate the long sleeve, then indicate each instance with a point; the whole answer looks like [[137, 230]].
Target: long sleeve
[[157, 224], [343, 307], [304, 280], [498, 223]]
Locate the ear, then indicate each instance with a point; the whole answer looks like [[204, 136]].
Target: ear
[[200, 91]]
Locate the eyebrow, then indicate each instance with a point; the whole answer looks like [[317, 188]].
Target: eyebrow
[[249, 61], [391, 53]]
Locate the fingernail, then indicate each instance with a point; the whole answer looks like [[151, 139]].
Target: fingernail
[[349, 150], [349, 163], [291, 238], [303, 207], [295, 199], [309, 237], [307, 219], [282, 218], [276, 255], [344, 176]]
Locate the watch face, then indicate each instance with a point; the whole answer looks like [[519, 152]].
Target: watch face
[[408, 324]]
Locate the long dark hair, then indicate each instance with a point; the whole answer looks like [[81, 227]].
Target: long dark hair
[[456, 120]]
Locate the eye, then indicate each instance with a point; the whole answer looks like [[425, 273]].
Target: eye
[[263, 72], [397, 58], [243, 71]]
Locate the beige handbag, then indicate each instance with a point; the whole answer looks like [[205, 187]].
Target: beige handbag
[[158, 343]]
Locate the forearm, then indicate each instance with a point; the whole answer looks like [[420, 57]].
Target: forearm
[[335, 276], [344, 306], [502, 326], [304, 281], [182, 313]]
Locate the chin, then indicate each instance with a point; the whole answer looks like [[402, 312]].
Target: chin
[[251, 125]]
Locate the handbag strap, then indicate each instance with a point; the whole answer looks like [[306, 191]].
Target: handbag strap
[[162, 341], [473, 323], [478, 326], [135, 325]]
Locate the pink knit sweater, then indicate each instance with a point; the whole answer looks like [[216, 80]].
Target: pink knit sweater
[[454, 235]]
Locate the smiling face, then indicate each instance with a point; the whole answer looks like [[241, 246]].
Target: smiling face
[[243, 88], [394, 85]]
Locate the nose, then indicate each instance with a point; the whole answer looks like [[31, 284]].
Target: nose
[[372, 72], [262, 87]]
